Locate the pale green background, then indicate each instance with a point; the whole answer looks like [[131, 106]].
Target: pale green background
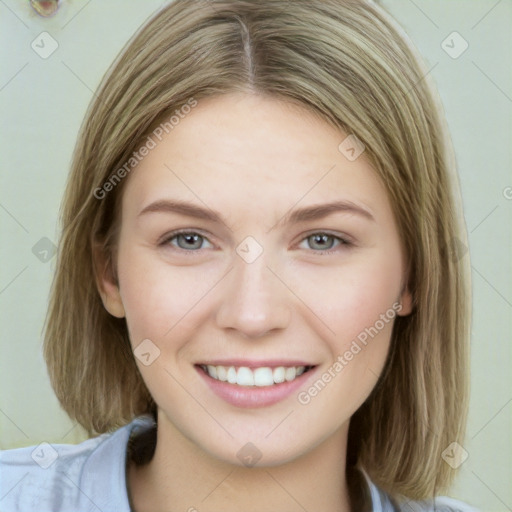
[[43, 102]]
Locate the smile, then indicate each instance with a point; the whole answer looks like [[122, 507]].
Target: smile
[[263, 376], [252, 384]]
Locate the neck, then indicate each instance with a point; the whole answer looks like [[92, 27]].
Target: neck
[[181, 476]]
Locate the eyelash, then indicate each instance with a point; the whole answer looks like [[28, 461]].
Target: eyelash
[[343, 242]]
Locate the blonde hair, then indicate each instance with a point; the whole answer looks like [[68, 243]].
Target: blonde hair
[[348, 62]]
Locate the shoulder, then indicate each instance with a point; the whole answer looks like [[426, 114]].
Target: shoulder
[[60, 477], [31, 478], [382, 502]]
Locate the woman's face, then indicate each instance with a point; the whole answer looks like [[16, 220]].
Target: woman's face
[[290, 261]]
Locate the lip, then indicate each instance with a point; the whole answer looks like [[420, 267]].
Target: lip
[[274, 363], [254, 396]]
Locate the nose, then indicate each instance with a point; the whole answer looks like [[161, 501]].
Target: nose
[[253, 300]]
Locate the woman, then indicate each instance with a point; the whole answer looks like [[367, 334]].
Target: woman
[[255, 286]]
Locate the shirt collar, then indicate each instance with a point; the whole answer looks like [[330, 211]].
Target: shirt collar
[[104, 473]]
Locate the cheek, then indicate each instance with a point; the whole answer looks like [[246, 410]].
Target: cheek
[[359, 305], [351, 298], [157, 296]]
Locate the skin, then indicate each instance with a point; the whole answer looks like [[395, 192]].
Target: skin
[[252, 159]]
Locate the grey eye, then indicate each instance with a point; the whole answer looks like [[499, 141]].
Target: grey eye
[[189, 240], [321, 241]]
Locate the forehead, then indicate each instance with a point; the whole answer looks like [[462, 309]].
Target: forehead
[[247, 151]]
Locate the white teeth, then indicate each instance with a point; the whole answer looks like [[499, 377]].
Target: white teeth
[[290, 374], [231, 375], [212, 370], [278, 374], [244, 377], [222, 373], [263, 376]]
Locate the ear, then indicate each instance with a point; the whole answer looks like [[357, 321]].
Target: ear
[[107, 283], [406, 302]]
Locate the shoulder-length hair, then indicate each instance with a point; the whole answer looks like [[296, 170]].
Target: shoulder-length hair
[[349, 63]]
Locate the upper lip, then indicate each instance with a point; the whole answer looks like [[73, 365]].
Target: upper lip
[[271, 363]]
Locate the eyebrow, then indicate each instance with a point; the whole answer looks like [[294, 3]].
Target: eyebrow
[[309, 213]]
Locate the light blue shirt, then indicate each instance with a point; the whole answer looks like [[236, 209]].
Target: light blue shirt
[[91, 476]]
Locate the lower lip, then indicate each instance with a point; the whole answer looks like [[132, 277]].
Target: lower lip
[[254, 396]]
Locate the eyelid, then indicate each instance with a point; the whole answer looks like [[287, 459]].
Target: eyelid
[[344, 241], [342, 236], [165, 239]]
